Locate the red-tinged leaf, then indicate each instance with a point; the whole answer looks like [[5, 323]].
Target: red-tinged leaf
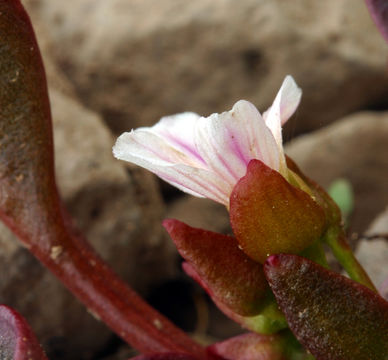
[[250, 347], [165, 356], [225, 271], [258, 323], [17, 341], [379, 12], [30, 205], [334, 317], [26, 156], [270, 216], [190, 271]]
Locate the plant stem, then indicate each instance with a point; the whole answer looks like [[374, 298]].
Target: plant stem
[[270, 320], [316, 253], [337, 241], [107, 297], [293, 350]]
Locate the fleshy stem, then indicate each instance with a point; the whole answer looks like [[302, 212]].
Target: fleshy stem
[[316, 253], [292, 349], [65, 252], [270, 320], [336, 239]]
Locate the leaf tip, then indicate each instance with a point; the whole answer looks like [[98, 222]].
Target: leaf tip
[[272, 261]]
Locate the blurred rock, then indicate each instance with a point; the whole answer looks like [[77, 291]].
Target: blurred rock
[[119, 208], [200, 213], [120, 211], [55, 76], [356, 149], [134, 61], [373, 253], [61, 324]]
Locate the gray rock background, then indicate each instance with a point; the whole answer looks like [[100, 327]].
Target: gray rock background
[[135, 61], [118, 64], [372, 252], [120, 210], [354, 148]]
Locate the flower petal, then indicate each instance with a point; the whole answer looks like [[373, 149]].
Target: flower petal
[[285, 103], [178, 131], [207, 156], [228, 141], [145, 148], [283, 107], [379, 12]]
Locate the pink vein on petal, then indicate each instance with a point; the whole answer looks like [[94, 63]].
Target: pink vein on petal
[[175, 141], [237, 149], [207, 156], [218, 192]]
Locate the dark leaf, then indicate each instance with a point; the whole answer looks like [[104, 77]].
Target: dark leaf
[[26, 156], [334, 317], [17, 341]]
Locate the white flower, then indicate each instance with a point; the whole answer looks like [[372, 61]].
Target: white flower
[[206, 157]]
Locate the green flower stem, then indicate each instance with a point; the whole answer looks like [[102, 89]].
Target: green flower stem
[[316, 253], [336, 239], [270, 320]]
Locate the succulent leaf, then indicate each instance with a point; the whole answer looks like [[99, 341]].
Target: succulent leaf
[[17, 341], [332, 316], [225, 272]]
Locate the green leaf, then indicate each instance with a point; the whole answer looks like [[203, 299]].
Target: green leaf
[[342, 193]]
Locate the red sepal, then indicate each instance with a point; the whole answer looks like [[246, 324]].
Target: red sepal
[[270, 216]]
